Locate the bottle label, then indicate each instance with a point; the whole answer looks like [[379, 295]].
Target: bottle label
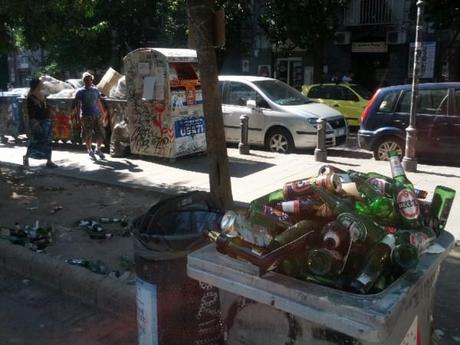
[[358, 229], [408, 204], [396, 167], [389, 240], [291, 206], [378, 184], [296, 188], [275, 214], [420, 240], [364, 279]]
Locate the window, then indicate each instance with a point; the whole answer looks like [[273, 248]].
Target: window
[[316, 92], [434, 102], [388, 103], [239, 94], [281, 93], [331, 92], [363, 92], [346, 95], [457, 102]]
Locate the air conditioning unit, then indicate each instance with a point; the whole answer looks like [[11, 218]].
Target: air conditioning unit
[[342, 38], [396, 37]]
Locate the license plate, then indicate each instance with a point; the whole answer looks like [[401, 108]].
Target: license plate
[[339, 132]]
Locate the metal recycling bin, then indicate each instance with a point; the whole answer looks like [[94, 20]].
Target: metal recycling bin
[[165, 104], [65, 127], [173, 309], [119, 134], [276, 309], [11, 120]]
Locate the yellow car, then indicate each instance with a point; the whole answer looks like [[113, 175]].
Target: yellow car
[[349, 99]]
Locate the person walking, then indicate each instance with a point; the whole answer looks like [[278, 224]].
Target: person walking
[[91, 111], [41, 127]]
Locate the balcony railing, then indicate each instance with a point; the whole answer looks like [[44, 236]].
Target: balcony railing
[[374, 12]]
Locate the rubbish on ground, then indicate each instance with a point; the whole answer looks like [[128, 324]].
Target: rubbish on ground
[[94, 229], [56, 209], [126, 263], [349, 230], [94, 266], [36, 237]]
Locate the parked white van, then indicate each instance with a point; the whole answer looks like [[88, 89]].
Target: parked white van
[[280, 117]]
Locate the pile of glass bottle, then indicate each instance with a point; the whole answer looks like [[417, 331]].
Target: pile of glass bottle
[[346, 229]]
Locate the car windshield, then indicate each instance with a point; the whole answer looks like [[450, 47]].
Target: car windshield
[[362, 91], [281, 93]]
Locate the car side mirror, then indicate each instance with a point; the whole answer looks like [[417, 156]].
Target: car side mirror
[[251, 103]]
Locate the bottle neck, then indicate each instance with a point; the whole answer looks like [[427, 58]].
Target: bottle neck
[[396, 167]]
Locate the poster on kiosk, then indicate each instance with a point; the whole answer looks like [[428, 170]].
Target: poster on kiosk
[[164, 103]]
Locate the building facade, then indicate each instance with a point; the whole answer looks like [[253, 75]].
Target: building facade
[[374, 42]]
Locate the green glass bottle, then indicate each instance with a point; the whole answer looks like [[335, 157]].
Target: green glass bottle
[[293, 232], [404, 194], [325, 262], [383, 184], [367, 227], [377, 204], [420, 239], [441, 204], [378, 259]]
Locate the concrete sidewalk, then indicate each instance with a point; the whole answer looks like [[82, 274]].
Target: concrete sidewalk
[[252, 175]]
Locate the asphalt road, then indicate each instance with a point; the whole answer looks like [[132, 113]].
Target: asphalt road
[[31, 314]]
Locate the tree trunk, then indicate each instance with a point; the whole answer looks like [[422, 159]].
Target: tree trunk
[[200, 19]]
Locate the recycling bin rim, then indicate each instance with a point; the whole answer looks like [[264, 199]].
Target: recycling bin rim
[[364, 317]]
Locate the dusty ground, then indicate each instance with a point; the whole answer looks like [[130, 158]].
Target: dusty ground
[[28, 196], [32, 314]]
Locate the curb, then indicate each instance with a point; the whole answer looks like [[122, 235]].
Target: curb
[[90, 288]]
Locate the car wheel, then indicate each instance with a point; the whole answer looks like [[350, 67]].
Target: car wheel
[[387, 144], [280, 140]]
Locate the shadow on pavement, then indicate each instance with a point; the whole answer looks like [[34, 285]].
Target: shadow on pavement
[[116, 165], [238, 167]]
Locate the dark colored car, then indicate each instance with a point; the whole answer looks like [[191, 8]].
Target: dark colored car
[[386, 117]]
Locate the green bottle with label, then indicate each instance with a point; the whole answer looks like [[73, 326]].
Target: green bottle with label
[[404, 195]]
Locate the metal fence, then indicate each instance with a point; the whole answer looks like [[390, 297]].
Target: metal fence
[[374, 12]]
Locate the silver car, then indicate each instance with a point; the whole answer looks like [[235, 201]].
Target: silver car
[[280, 117]]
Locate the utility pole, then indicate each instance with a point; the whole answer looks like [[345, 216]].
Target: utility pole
[[200, 15], [410, 161]]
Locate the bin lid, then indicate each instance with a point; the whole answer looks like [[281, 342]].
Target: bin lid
[[368, 318], [170, 54]]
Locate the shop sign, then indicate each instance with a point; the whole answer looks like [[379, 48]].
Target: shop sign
[[369, 47], [427, 60]]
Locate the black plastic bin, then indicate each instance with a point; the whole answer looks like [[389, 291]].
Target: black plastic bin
[[173, 309]]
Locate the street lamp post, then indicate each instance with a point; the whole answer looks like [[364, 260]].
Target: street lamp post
[[410, 161]]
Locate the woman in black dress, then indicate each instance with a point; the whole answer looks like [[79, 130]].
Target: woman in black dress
[[41, 127]]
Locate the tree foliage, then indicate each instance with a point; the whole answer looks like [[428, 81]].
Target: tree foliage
[[444, 14], [80, 34], [305, 23]]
